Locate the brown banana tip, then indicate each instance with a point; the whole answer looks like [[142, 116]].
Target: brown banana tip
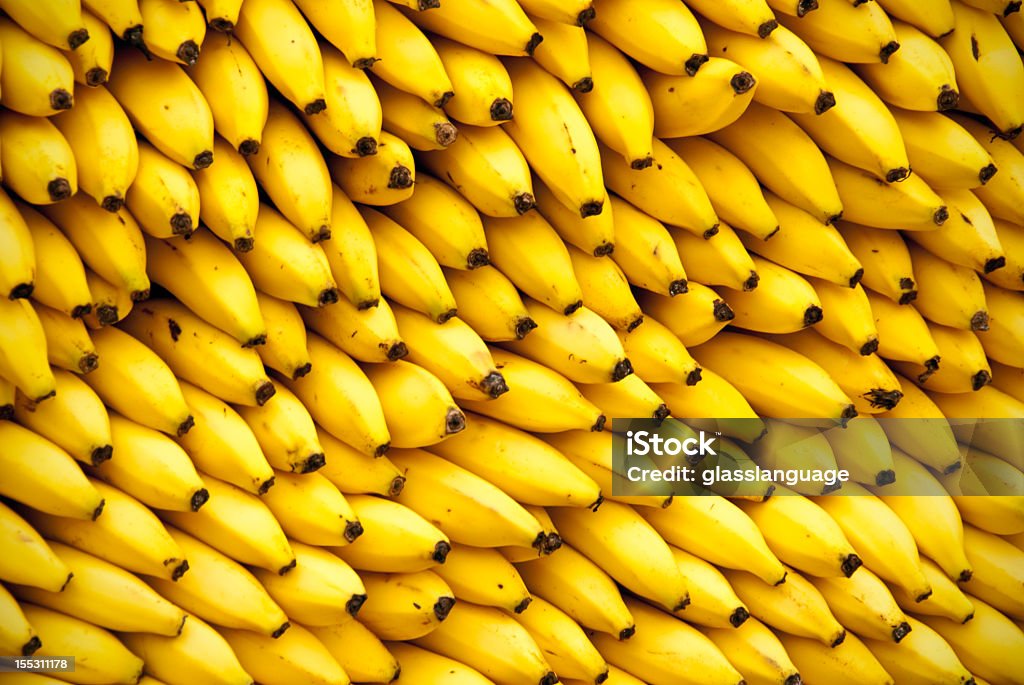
[[99, 509], [856, 278], [967, 618], [592, 208], [869, 348], [353, 529], [266, 485], [179, 570], [7, 412], [604, 249], [113, 203], [88, 362], [601, 677], [188, 52], [825, 101], [77, 38], [980, 380], [839, 639], [627, 633], [382, 449], [501, 109], [634, 323], [523, 327], [281, 630], [751, 282], [661, 413], [396, 486], [354, 604], [531, 45], [586, 16], [711, 232], [965, 575], [1011, 7], [906, 283], [181, 224], [256, 341], [738, 617], [61, 99], [441, 550], [901, 631], [186, 425], [42, 398], [66, 581], [552, 543], [447, 315], [540, 542], [693, 378], [494, 385], [445, 133], [301, 370], [742, 82], [923, 596], [284, 570], [896, 175], [848, 413], [850, 564], [315, 107], [138, 296], [368, 303], [642, 163], [477, 258], [327, 296], [908, 297], [30, 647], [265, 392], [765, 29], [694, 63], [442, 607], [365, 63], [584, 85], [549, 678], [979, 322], [993, 264], [888, 50], [199, 498], [828, 489], [445, 97], [248, 147], [722, 311], [599, 424], [782, 580], [940, 215], [244, 244], [397, 351], [101, 454], [572, 308], [58, 189], [222, 25], [202, 160], [678, 287], [133, 36], [424, 5], [794, 679], [366, 147], [321, 234], [622, 369], [313, 462], [454, 421], [524, 202], [931, 365], [682, 604], [947, 99], [24, 290], [805, 6], [400, 177], [986, 173], [521, 607]]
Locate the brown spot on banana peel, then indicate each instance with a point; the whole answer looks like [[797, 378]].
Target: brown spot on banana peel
[[975, 51]]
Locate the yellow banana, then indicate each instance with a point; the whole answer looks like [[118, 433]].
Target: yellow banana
[[471, 22], [1008, 379], [1003, 194], [755, 651], [285, 348], [384, 178], [322, 590], [722, 261], [487, 168], [564, 643], [563, 53], [417, 407], [353, 472], [283, 262], [482, 87], [867, 35], [44, 263], [593, 234], [359, 652], [996, 565], [919, 76], [864, 605], [784, 159], [420, 124], [605, 290], [233, 86], [1010, 277], [646, 252], [23, 351], [58, 23], [713, 603], [849, 663], [296, 657], [17, 636], [664, 36], [151, 468], [784, 302], [721, 91], [40, 164], [283, 46], [122, 16], [176, 30], [350, 126], [969, 238], [198, 654], [405, 606], [485, 577], [888, 269], [922, 657], [903, 334], [28, 558], [630, 397], [943, 152], [38, 80], [348, 25], [1002, 342], [221, 15], [490, 303], [929, 438], [395, 539], [163, 198], [863, 449], [369, 335], [658, 356], [788, 446], [950, 294], [695, 318], [572, 12], [285, 432], [351, 255], [419, 664], [341, 399], [228, 197], [855, 329], [75, 419], [934, 17], [986, 644], [165, 106], [405, 57]]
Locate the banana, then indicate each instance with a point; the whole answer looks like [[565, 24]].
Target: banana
[[18, 637], [28, 558], [539, 399], [888, 269], [985, 644], [228, 197], [296, 657], [176, 30], [151, 468], [165, 106], [748, 18], [353, 472], [20, 232], [422, 125], [593, 234], [859, 130], [221, 15], [721, 91], [656, 190], [722, 261], [922, 657], [646, 252], [464, 506], [369, 335], [1005, 8], [563, 53], [788, 446], [934, 17], [58, 23], [405, 606], [285, 348], [409, 273], [1010, 277], [996, 475], [849, 663], [351, 124], [969, 238], [471, 22], [352, 256], [348, 26], [163, 198], [109, 305], [285, 49], [903, 334], [863, 449], [122, 16], [529, 251], [100, 656], [453, 352], [1003, 194], [1008, 379], [919, 76], [755, 651], [239, 525], [572, 12], [947, 599], [663, 36], [666, 650], [285, 432], [987, 66], [867, 35], [421, 665], [8, 395], [784, 159], [1003, 340], [233, 373], [75, 419], [341, 399], [865, 606], [198, 654], [395, 539], [959, 299], [784, 303], [485, 577], [996, 564], [855, 329], [695, 318], [23, 351], [233, 86], [605, 290], [39, 162], [487, 168], [417, 407], [106, 596], [360, 653], [489, 303], [944, 153], [630, 397], [713, 604], [929, 438], [658, 356], [38, 80], [384, 178], [564, 643], [406, 58], [786, 70], [321, 590], [482, 87]]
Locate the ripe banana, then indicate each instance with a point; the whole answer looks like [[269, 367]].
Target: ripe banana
[[38, 80], [296, 657], [482, 87], [713, 603], [405, 57], [384, 178], [322, 590], [661, 35], [369, 335], [28, 558], [285, 432], [919, 76], [865, 606], [969, 237], [1002, 342], [359, 652], [928, 439], [888, 269], [658, 356], [122, 16], [947, 599], [922, 657], [23, 351], [863, 449], [572, 12], [58, 22], [606, 290], [593, 234], [353, 472], [418, 409], [645, 250], [419, 664], [17, 636], [721, 91], [228, 197], [198, 654], [176, 30], [564, 643], [485, 577], [784, 302], [909, 204], [985, 644], [40, 164], [75, 419], [395, 539], [21, 229], [285, 348], [1004, 192], [1010, 277], [163, 198], [489, 303], [221, 15], [405, 606], [349, 26], [866, 36], [848, 664], [420, 124], [563, 53], [350, 126], [471, 22], [934, 17], [695, 318], [950, 295], [755, 651]]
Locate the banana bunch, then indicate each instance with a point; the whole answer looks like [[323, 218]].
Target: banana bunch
[[318, 319]]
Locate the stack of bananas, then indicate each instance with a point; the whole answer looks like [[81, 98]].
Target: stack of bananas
[[312, 313]]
